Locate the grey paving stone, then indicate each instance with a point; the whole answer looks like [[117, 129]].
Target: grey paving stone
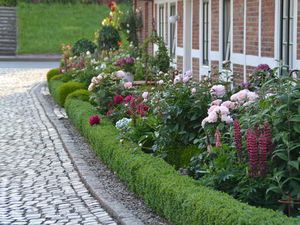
[[38, 182]]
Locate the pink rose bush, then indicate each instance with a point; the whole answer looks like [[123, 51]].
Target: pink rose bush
[[244, 97], [218, 91]]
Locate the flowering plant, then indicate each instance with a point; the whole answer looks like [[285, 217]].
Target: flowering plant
[[126, 64]]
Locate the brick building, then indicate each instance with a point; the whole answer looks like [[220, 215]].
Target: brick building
[[202, 34]]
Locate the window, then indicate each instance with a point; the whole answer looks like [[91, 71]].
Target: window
[[205, 31], [286, 31], [172, 31], [226, 29], [161, 20]]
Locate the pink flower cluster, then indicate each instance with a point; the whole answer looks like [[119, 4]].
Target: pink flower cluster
[[244, 97], [218, 111], [218, 91], [183, 77], [125, 61]]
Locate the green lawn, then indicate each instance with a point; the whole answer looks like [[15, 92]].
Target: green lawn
[[43, 28]]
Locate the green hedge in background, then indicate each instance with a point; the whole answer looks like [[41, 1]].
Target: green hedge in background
[[8, 3]]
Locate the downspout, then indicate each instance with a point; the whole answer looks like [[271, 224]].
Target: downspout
[[245, 40]]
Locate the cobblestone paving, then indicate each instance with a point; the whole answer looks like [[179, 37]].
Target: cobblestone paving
[[38, 183]]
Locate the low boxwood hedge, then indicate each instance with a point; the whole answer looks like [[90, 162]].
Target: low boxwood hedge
[[8, 3], [179, 199], [52, 73]]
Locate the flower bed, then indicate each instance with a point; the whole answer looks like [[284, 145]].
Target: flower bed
[[180, 199], [239, 139]]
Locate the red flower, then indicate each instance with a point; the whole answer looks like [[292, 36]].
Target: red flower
[[94, 120], [263, 149], [129, 98], [142, 109], [252, 148], [112, 5], [237, 138], [118, 99], [268, 135]]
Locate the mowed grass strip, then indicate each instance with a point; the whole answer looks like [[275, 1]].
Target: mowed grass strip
[[43, 28]]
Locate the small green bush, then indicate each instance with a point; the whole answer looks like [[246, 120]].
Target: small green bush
[[57, 77], [52, 73], [82, 46], [81, 94], [109, 38], [8, 3], [64, 90]]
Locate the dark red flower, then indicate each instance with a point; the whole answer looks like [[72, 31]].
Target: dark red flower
[[263, 149], [95, 119], [237, 137], [118, 99], [253, 152], [129, 98], [142, 109]]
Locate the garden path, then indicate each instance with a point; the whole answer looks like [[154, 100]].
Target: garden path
[[38, 182]]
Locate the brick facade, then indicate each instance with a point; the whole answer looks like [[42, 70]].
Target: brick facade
[[215, 25], [238, 26], [180, 24], [252, 27], [266, 19], [195, 26], [268, 28]]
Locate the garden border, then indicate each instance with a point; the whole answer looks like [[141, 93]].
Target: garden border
[[154, 180]]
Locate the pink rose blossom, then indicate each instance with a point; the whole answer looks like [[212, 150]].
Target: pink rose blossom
[[218, 91], [229, 104], [216, 102], [252, 96], [193, 91], [145, 95], [128, 85], [120, 74], [212, 108]]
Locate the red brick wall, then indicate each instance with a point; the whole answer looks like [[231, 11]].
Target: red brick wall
[[195, 69], [166, 21], [179, 65], [195, 28], [268, 28], [215, 25], [238, 71], [180, 24], [238, 25], [252, 27], [298, 32]]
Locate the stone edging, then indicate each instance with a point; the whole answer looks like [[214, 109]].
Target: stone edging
[[111, 205]]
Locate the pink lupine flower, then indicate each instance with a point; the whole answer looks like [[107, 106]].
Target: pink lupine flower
[[237, 138], [218, 138], [252, 152], [95, 119], [263, 150]]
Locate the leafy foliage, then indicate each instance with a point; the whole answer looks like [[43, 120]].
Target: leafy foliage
[[82, 46]]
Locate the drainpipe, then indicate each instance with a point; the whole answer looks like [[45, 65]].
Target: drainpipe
[[245, 40]]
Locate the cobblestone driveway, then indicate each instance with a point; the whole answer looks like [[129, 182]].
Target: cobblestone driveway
[[38, 183]]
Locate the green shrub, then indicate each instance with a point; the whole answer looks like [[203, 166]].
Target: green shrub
[[8, 3], [81, 94], [180, 199], [65, 89], [52, 73], [82, 46], [109, 38], [180, 156], [57, 77]]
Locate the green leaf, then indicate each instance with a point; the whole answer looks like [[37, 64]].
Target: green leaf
[[294, 164]]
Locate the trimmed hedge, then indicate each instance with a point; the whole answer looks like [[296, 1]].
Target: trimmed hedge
[[179, 199], [52, 73], [81, 94]]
